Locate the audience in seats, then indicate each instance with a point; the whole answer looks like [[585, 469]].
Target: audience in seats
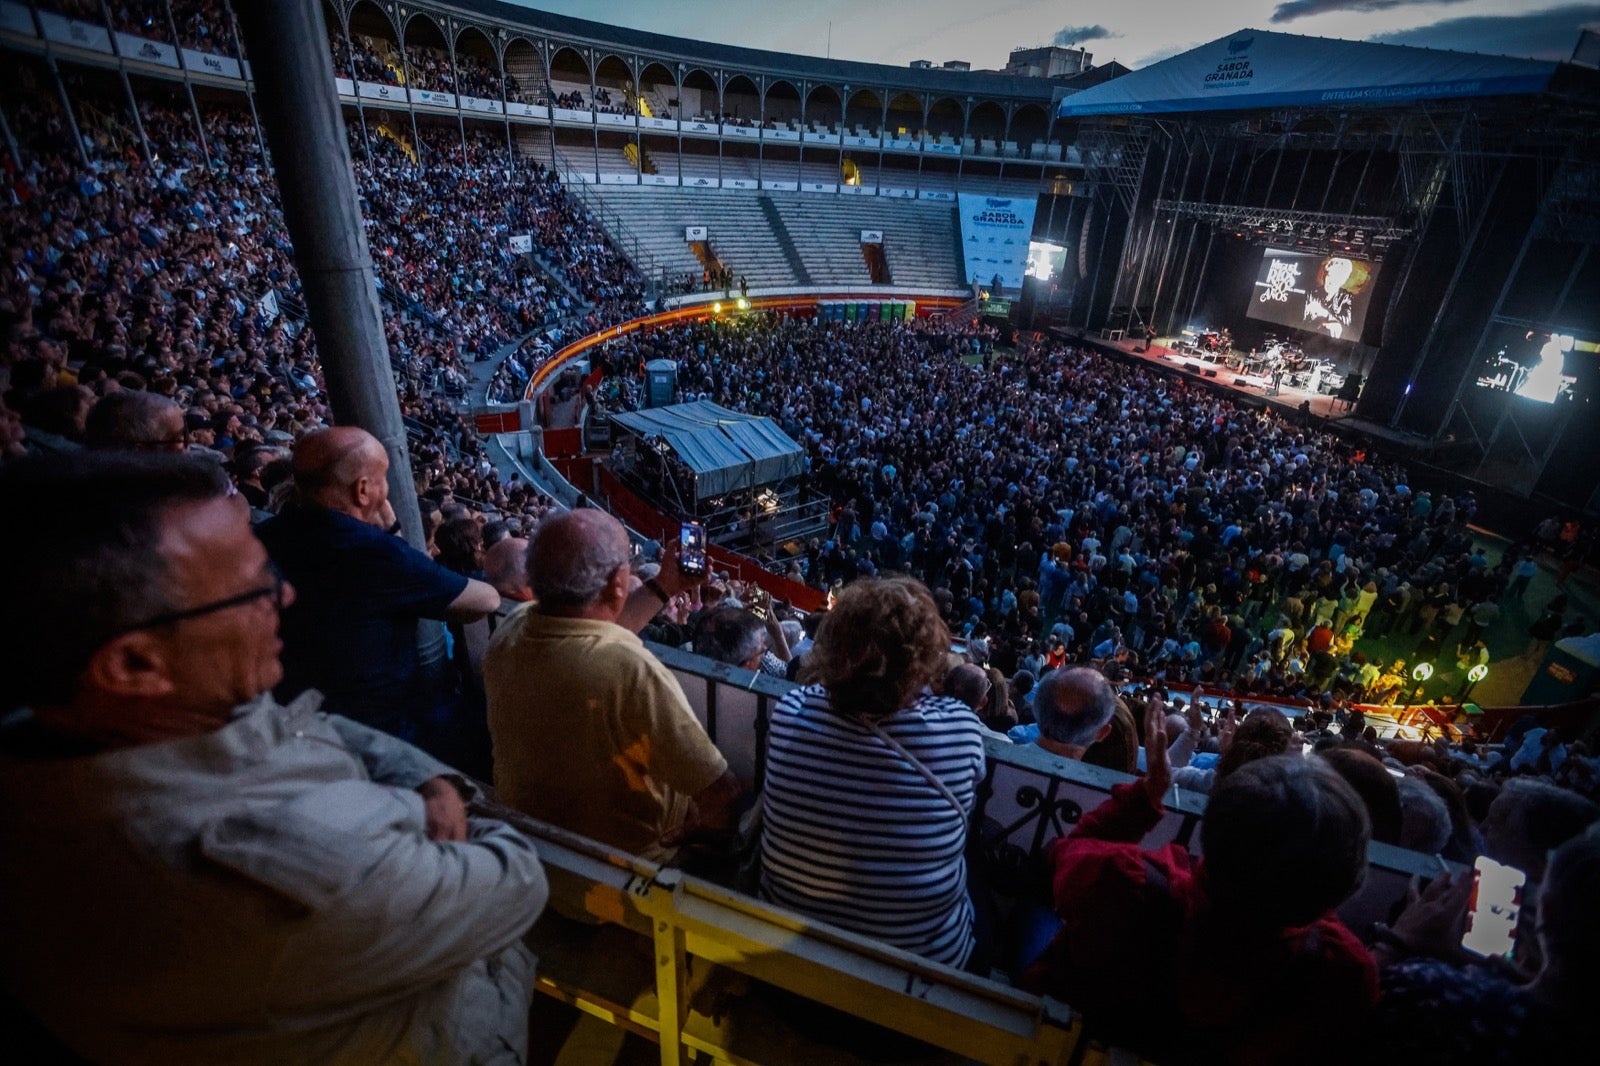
[[871, 779], [196, 872], [591, 732]]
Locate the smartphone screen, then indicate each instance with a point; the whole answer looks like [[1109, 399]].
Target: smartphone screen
[[1492, 914], [692, 541]]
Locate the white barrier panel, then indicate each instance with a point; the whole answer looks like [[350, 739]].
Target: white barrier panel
[[16, 18], [941, 149], [900, 146], [433, 98], [697, 126], [872, 236], [70, 31], [479, 103], [694, 233], [813, 137], [740, 183], [701, 183], [659, 123], [658, 179], [567, 114], [211, 63], [857, 141], [780, 186], [781, 135], [859, 190], [619, 179], [898, 194], [818, 186], [521, 110], [146, 50], [579, 176], [749, 133], [344, 86], [371, 90], [934, 194], [606, 118]]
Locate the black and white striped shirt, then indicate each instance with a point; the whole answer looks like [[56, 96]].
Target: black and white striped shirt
[[853, 834]]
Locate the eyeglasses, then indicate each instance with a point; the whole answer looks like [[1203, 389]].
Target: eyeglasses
[[274, 591]]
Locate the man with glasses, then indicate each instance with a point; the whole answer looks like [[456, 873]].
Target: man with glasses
[[136, 421], [196, 873]]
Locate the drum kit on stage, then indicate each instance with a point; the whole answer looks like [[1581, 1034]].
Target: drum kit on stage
[[1282, 361]]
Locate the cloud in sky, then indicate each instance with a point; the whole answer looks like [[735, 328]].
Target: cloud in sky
[[1548, 34], [1290, 10], [1071, 35]]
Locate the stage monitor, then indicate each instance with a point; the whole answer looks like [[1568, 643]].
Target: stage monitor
[[1046, 260], [1322, 294], [1542, 367]]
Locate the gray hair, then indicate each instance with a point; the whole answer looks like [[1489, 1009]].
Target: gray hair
[[126, 419], [729, 635], [569, 571], [1073, 704], [1424, 819]]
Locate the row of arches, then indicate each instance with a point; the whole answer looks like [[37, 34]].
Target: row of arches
[[416, 47]]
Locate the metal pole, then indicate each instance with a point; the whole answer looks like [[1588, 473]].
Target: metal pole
[[311, 159]]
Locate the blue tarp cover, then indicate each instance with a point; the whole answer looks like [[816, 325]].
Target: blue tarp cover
[[725, 449]]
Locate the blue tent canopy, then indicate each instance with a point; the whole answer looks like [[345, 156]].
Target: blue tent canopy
[[724, 449], [1261, 69]]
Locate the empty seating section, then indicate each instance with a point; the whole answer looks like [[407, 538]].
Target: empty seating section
[[739, 234]]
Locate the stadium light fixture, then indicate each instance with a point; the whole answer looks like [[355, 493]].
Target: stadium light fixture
[[1478, 673], [744, 305], [1422, 672], [716, 308]]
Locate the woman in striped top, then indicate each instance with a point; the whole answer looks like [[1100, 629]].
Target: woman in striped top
[[871, 778]]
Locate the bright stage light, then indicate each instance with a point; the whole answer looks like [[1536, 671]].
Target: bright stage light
[[744, 305], [1423, 671], [716, 308]]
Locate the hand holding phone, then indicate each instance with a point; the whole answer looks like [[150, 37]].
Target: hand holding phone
[[1492, 913], [692, 549]]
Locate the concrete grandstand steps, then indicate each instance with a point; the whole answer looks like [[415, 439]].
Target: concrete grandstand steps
[[785, 241]]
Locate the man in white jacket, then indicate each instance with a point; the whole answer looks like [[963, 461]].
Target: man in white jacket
[[194, 872]]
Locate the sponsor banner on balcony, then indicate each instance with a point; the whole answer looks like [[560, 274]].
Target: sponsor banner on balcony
[[900, 145], [521, 110], [344, 86], [941, 149], [522, 243], [780, 186], [653, 123], [740, 183], [749, 133], [479, 103], [606, 118], [371, 90], [433, 98], [211, 63], [936, 194], [619, 179], [15, 18], [694, 233], [568, 114], [872, 236], [818, 186], [781, 135], [859, 190], [658, 179], [701, 183], [696, 125], [146, 51], [898, 194], [63, 30], [855, 140], [813, 137]]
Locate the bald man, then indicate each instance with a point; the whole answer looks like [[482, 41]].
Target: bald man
[[591, 732], [352, 632]]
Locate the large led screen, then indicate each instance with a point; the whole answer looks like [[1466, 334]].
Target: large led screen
[[1322, 294]]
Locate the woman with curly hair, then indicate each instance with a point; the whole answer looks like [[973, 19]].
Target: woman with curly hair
[[871, 778]]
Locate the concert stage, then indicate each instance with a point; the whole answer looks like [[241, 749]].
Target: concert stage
[[1164, 353]]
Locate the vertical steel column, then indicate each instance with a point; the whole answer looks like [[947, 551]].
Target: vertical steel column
[[321, 207], [249, 85], [188, 85], [127, 86]]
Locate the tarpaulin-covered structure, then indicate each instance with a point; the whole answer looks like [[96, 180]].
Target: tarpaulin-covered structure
[[722, 449]]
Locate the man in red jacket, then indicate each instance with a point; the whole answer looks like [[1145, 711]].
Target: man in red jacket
[[1215, 960]]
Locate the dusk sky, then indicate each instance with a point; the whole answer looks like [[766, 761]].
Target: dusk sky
[[1134, 32]]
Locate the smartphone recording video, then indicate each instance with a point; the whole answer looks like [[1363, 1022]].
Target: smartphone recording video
[[1492, 914], [692, 545]]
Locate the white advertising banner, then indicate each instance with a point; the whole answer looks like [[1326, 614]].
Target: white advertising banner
[[606, 118], [522, 243], [619, 179], [936, 194], [211, 63], [433, 97], [941, 149], [146, 51], [898, 194], [813, 137], [701, 183], [859, 190], [16, 18], [654, 123], [694, 233], [900, 145], [521, 110], [855, 140], [658, 179], [740, 183], [344, 86], [567, 114], [818, 186], [749, 133], [70, 31], [872, 236], [995, 231], [781, 135], [482, 104], [699, 126], [371, 90], [780, 186]]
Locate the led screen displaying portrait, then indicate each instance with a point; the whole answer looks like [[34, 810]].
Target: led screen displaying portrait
[[1322, 294]]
